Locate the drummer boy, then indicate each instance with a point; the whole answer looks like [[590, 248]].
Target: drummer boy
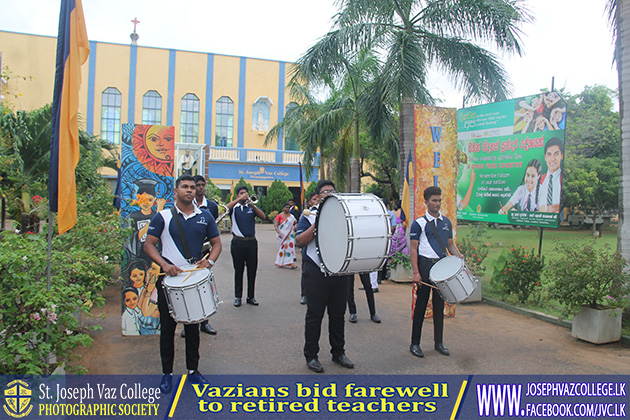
[[431, 235], [196, 225]]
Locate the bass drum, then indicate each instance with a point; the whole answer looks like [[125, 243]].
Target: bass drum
[[352, 233]]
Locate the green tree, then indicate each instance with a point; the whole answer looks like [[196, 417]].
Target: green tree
[[277, 194], [25, 145], [212, 191], [591, 185], [413, 36], [593, 130], [348, 77]]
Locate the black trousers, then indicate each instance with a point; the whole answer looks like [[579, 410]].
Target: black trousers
[[369, 294], [422, 299], [324, 293], [244, 253], [303, 282], [167, 336]]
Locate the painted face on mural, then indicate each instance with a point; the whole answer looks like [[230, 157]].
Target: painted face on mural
[[131, 300], [531, 178], [159, 141], [137, 277]]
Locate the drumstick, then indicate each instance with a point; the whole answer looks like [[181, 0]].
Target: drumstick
[[426, 284], [186, 271]]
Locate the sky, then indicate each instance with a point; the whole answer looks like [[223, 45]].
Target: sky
[[569, 40]]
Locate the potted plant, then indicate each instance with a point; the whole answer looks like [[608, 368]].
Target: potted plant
[[584, 279], [400, 264]]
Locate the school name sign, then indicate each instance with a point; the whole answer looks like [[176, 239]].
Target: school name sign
[[510, 161]]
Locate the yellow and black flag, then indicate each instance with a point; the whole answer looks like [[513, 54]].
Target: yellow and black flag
[[72, 51]]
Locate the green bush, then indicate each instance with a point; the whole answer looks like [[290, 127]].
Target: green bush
[[277, 194], [517, 272], [585, 276], [400, 258], [474, 256], [37, 322]]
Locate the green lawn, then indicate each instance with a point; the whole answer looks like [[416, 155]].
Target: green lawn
[[502, 239]]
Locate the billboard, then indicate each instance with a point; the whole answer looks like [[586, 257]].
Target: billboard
[[510, 160]]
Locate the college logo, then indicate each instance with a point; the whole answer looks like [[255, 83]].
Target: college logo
[[17, 397]]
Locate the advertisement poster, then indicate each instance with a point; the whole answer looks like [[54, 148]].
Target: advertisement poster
[[146, 188], [511, 158]]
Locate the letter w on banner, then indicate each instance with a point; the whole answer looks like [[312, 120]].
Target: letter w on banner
[[72, 51]]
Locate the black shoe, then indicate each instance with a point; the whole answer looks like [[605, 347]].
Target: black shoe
[[352, 318], [303, 300], [314, 365], [375, 290], [237, 302], [375, 318], [166, 385], [252, 301], [205, 327], [197, 378], [441, 348], [342, 360], [184, 333], [415, 350]]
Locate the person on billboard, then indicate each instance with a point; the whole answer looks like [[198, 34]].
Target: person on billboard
[[551, 182], [526, 195]]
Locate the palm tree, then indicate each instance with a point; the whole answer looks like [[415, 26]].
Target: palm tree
[[413, 36], [619, 19], [348, 76]]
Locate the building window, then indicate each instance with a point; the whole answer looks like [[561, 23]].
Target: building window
[[110, 115], [189, 126], [225, 122], [152, 108], [290, 142], [260, 113]]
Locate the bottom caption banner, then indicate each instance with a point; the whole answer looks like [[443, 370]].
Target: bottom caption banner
[[316, 397]]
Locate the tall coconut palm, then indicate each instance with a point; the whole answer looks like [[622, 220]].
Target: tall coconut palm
[[414, 35], [348, 74], [619, 19]]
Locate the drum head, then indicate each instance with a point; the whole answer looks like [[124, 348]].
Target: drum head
[[194, 278], [332, 234], [446, 268]]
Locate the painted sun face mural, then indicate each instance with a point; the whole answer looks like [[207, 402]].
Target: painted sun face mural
[[154, 146]]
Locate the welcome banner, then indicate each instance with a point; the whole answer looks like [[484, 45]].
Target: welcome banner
[[510, 161]]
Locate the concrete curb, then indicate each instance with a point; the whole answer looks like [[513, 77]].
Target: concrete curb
[[539, 315]]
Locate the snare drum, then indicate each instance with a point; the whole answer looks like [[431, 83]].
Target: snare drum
[[352, 233], [452, 278], [193, 300]]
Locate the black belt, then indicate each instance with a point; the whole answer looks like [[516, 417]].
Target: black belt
[[244, 238], [433, 260]]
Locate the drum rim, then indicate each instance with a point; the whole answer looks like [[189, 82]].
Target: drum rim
[[461, 267]]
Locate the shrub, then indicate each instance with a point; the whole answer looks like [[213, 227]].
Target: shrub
[[37, 322], [400, 258], [277, 194], [474, 256], [517, 272], [585, 276]]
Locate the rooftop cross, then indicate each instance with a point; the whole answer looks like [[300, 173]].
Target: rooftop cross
[[135, 22]]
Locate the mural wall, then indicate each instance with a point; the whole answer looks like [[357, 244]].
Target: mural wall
[[146, 173]]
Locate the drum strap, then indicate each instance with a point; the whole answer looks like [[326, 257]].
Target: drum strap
[[435, 233], [182, 235]]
